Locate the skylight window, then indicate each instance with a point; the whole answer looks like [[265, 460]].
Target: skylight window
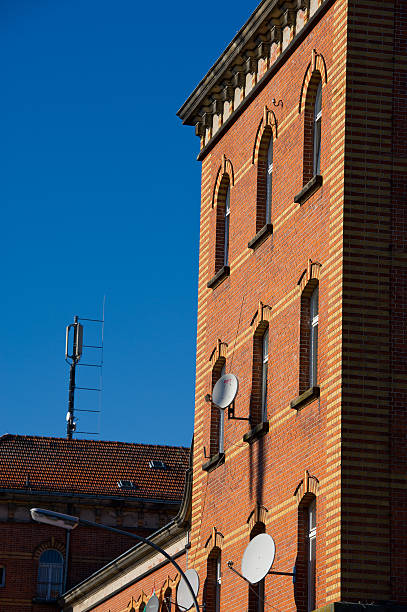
[[127, 485], [157, 464]]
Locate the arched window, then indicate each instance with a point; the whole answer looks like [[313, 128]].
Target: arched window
[[309, 336], [264, 188], [256, 591], [264, 373], [269, 181], [50, 574], [217, 433], [166, 605], [317, 130], [311, 552], [312, 128], [259, 393], [213, 581], [305, 580], [227, 228], [222, 225]]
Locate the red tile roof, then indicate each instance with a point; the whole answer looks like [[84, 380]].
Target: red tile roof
[[91, 467]]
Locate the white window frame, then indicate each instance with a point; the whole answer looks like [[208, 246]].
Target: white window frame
[[227, 228], [311, 554], [269, 180], [314, 318], [264, 373], [317, 130]]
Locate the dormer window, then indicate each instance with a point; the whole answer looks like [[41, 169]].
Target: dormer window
[[157, 464], [126, 485]]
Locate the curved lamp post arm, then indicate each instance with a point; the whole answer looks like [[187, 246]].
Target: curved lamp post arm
[[69, 522]]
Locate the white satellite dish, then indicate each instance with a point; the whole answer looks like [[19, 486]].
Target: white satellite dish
[[153, 604], [184, 597], [225, 391], [258, 558]]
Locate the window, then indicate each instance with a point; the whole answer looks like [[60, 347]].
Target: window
[[217, 431], [313, 338], [258, 397], [2, 576], [50, 572], [227, 227], [264, 371], [166, 605], [212, 589], [317, 130], [264, 186], [309, 337], [222, 225], [312, 129], [311, 551], [269, 180], [157, 464], [256, 591]]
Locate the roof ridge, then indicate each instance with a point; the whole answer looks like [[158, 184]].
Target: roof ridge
[[10, 436]]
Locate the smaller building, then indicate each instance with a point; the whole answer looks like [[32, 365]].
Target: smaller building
[[135, 487], [127, 583]]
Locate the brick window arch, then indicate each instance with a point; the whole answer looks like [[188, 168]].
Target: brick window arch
[[256, 593]]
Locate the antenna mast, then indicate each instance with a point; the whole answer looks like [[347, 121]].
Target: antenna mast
[[72, 359]]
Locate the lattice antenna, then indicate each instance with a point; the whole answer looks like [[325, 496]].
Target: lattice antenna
[[73, 353]]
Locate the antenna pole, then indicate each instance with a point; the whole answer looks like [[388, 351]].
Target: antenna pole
[[74, 357], [71, 401]]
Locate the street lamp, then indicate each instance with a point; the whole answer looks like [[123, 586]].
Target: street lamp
[[68, 522]]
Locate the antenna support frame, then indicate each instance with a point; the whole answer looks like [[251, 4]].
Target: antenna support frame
[[231, 416]]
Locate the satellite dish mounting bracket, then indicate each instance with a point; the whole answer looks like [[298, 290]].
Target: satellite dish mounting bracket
[[231, 415], [230, 566]]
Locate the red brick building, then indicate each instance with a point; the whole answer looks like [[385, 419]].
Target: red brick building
[[303, 296], [136, 487]]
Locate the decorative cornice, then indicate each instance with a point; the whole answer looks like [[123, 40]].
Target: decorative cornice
[[245, 62]]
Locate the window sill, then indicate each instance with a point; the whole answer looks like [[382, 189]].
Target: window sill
[[261, 235], [256, 432], [213, 462], [219, 277], [309, 189], [306, 397]]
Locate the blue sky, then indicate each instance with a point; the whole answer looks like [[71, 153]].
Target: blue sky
[[100, 194]]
